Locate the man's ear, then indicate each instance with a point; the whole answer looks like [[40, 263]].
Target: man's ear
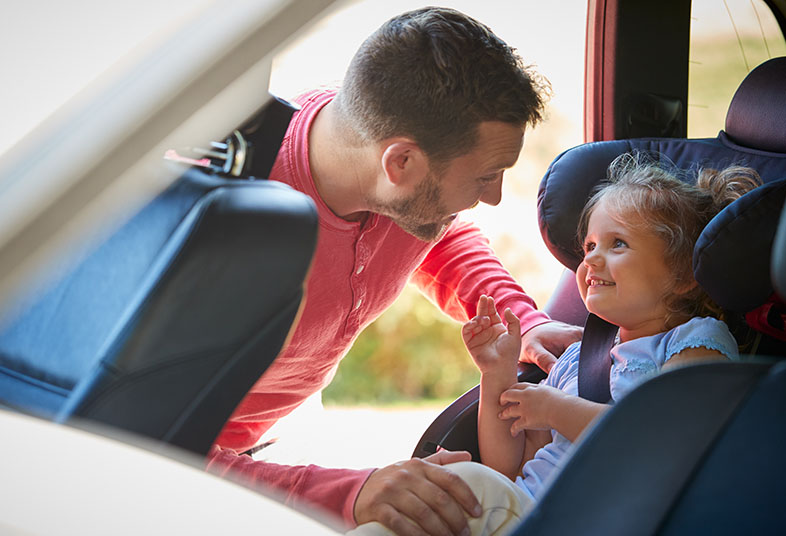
[[403, 162]]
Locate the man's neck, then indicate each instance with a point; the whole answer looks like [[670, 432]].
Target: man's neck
[[341, 172]]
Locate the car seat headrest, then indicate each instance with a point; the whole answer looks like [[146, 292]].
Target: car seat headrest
[[778, 262], [731, 260], [732, 255], [757, 113]]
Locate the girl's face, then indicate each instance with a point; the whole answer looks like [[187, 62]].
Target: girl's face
[[624, 278]]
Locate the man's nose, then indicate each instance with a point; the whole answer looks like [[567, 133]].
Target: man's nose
[[492, 195]]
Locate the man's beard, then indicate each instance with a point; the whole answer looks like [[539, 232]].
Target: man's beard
[[416, 214]]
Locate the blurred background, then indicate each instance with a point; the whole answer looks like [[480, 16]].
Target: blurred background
[[413, 352], [411, 363]]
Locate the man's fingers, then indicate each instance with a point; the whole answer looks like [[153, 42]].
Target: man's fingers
[[545, 361], [437, 502], [453, 487], [399, 524], [418, 497], [444, 457], [541, 357], [433, 512]]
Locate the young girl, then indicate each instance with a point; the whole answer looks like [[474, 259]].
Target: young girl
[[637, 233]]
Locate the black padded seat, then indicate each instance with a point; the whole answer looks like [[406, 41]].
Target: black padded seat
[[570, 179], [162, 327]]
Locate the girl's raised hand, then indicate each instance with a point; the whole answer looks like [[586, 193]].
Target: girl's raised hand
[[488, 340]]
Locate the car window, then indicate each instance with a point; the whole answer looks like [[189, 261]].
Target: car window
[[728, 39], [51, 58]]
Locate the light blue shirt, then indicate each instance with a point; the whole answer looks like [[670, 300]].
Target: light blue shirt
[[633, 362]]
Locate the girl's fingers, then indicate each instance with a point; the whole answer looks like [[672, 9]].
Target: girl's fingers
[[514, 394], [514, 325]]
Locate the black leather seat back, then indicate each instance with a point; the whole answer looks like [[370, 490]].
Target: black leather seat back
[[162, 327], [636, 466]]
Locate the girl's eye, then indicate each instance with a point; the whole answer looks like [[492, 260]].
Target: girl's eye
[[619, 243], [588, 246], [488, 180]]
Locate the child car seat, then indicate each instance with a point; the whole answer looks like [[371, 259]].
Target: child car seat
[[163, 327], [739, 280], [667, 458]]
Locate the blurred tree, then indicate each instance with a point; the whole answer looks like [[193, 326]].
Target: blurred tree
[[412, 352]]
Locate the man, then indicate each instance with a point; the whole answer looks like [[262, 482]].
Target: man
[[431, 113]]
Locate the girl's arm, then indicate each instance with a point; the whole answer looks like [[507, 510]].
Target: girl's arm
[[495, 349], [539, 407], [542, 407], [499, 449], [692, 356]]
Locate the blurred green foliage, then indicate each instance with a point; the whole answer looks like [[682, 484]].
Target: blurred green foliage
[[412, 352]]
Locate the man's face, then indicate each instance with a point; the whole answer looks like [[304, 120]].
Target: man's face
[[473, 177]]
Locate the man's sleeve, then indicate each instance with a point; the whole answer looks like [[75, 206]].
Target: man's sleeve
[[320, 491], [461, 267]]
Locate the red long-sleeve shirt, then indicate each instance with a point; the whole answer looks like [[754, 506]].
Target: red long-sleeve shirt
[[359, 269]]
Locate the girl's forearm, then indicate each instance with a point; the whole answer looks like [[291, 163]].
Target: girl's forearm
[[498, 449], [571, 416]]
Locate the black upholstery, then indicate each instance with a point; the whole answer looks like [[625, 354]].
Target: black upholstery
[[732, 258], [757, 113], [456, 428], [697, 450], [566, 187], [163, 326], [738, 485], [779, 257], [631, 471]]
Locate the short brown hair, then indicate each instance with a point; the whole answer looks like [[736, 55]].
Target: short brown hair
[[434, 74]]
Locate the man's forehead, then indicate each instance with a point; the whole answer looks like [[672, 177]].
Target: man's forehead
[[499, 144]]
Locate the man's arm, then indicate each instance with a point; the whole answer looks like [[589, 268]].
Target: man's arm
[[418, 496], [462, 266], [415, 489], [326, 491]]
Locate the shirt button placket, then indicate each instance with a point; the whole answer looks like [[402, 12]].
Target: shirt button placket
[[358, 281]]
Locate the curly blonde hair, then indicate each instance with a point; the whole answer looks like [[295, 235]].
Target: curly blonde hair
[[651, 194]]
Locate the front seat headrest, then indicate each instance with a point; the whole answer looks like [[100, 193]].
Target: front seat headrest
[[757, 113]]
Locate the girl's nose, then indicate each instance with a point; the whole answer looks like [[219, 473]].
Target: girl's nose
[[593, 258]]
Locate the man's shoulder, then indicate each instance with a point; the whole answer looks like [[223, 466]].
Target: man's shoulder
[[316, 97]]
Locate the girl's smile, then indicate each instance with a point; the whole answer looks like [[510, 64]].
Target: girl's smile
[[624, 278]]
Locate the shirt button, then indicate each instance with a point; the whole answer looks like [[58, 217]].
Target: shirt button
[[357, 305], [360, 269]]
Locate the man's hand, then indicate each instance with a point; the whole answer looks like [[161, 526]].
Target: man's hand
[[544, 343], [418, 496]]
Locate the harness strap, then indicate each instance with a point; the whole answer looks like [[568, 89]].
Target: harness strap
[[595, 359]]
